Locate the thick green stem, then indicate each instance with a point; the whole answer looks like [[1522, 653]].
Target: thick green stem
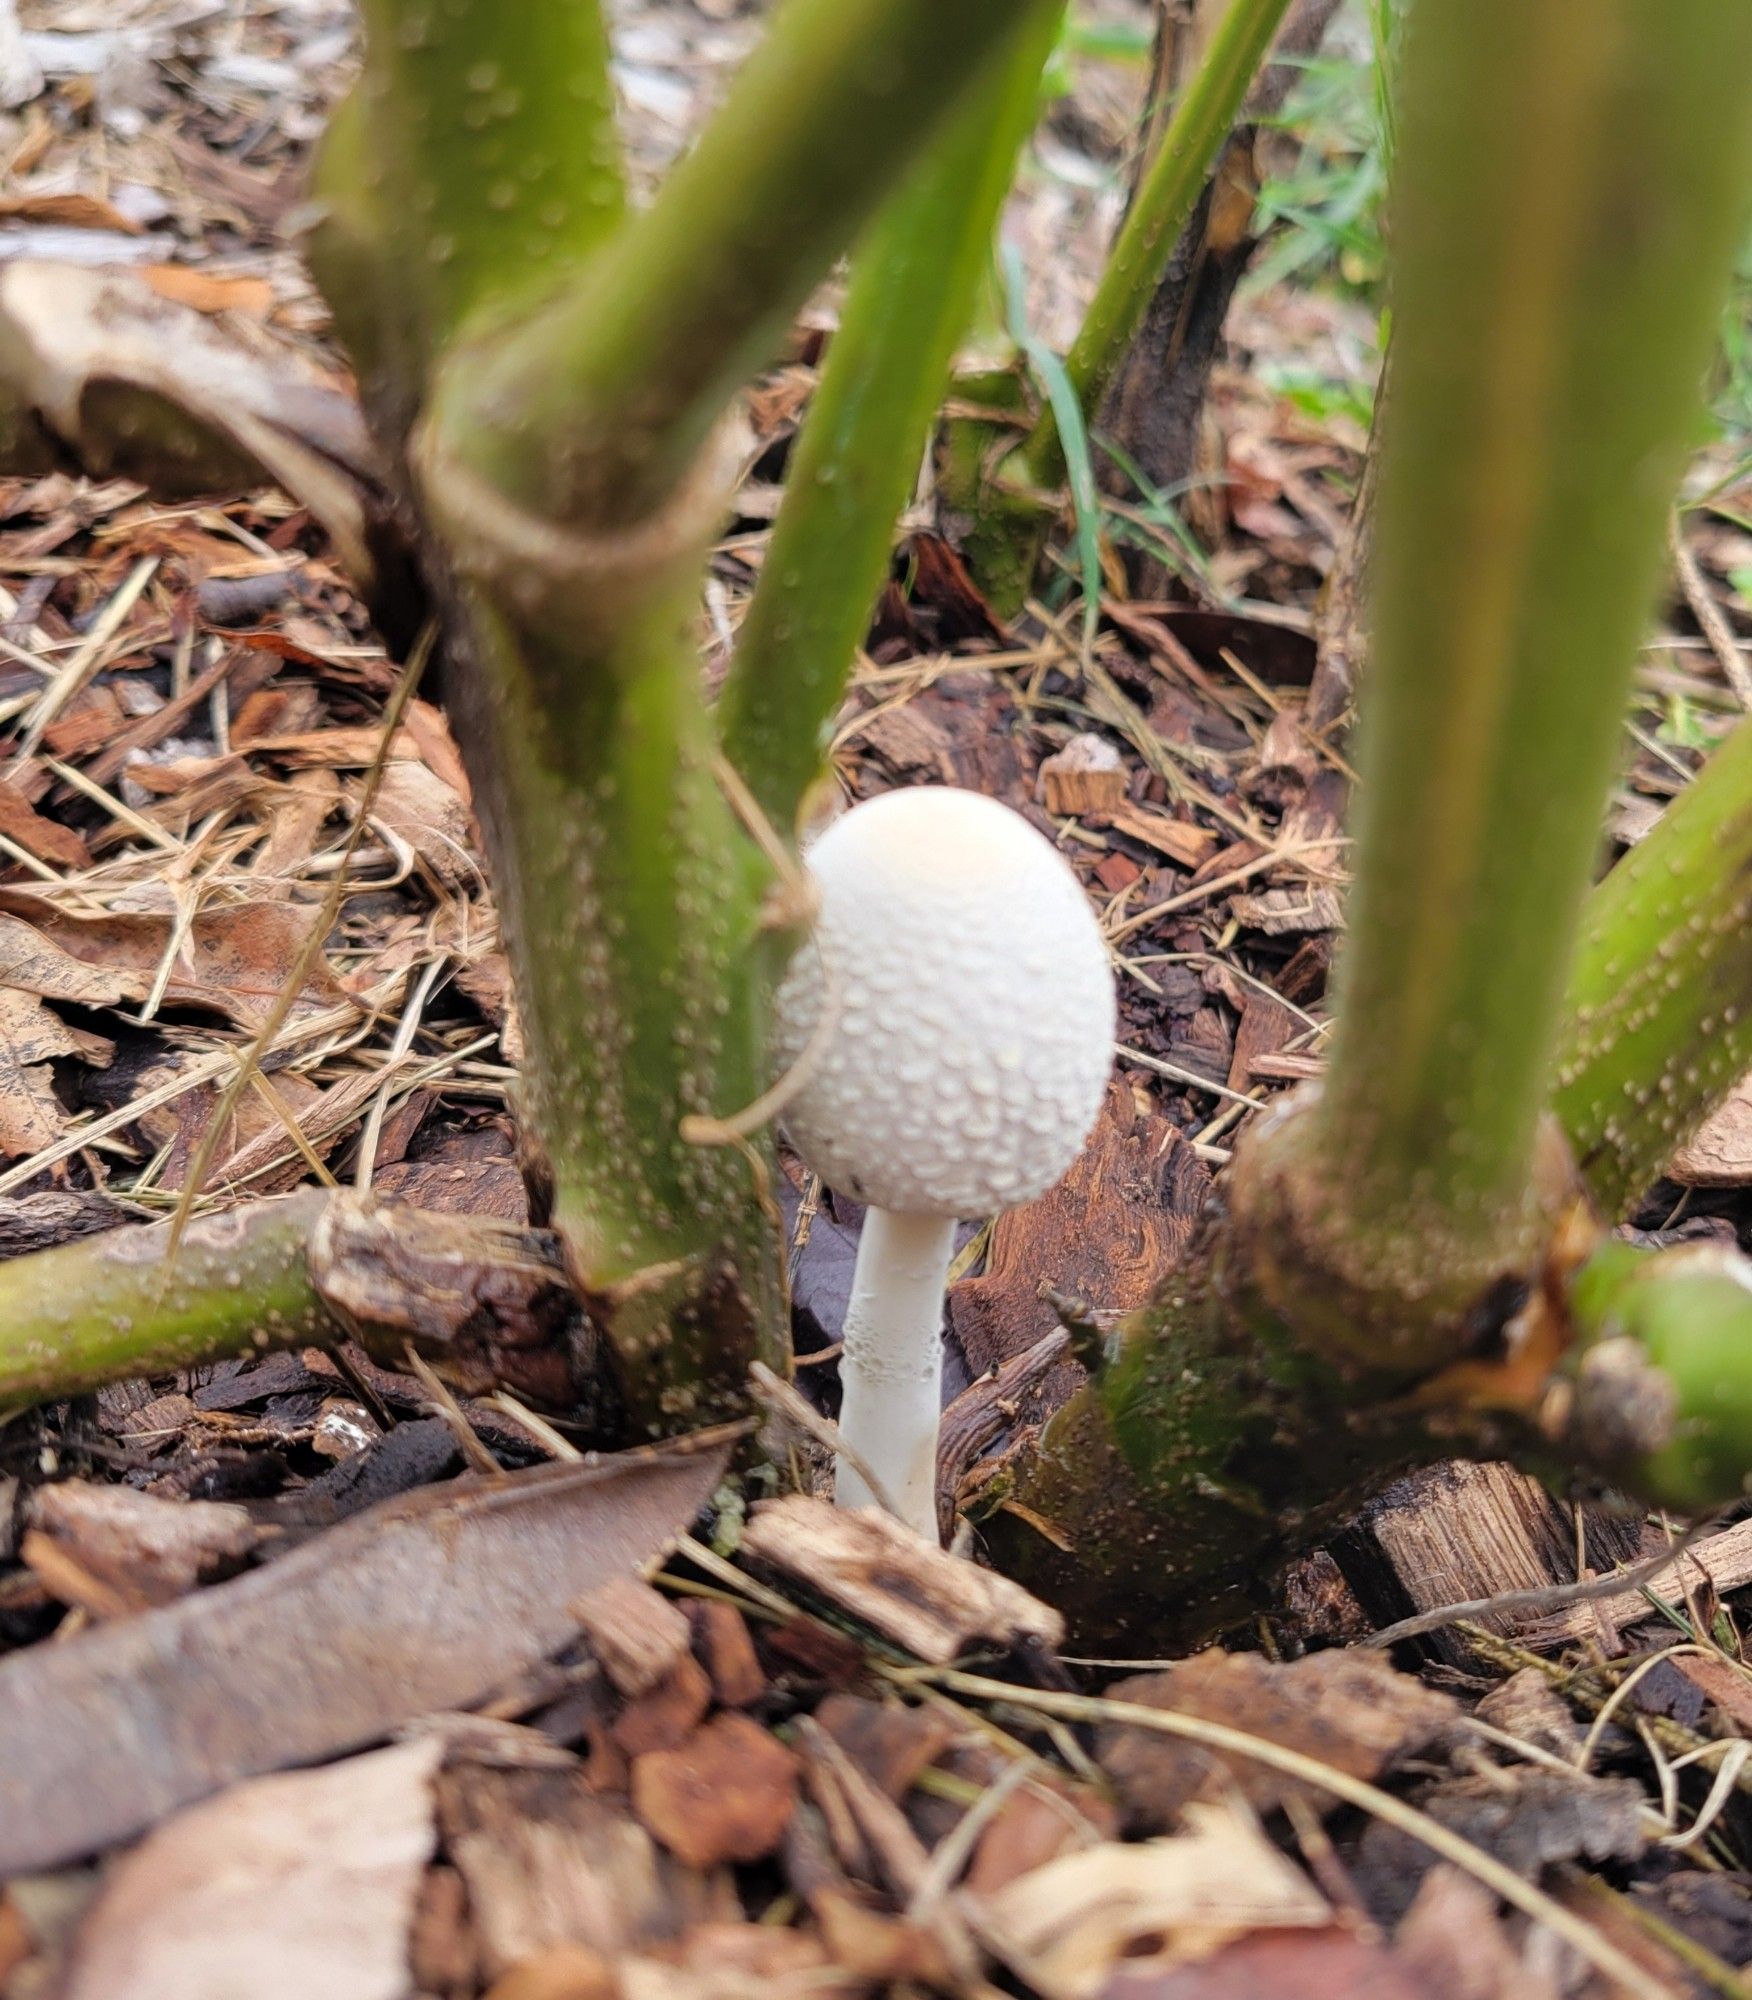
[[1161, 209], [1659, 1025], [1208, 1449], [111, 1306], [1663, 1395], [483, 1301], [593, 408], [1572, 181], [915, 280], [472, 169], [634, 913]]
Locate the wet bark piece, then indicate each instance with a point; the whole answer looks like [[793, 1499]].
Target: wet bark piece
[[1105, 1234], [424, 1604]]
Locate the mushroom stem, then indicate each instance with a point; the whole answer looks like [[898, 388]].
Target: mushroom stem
[[891, 1370]]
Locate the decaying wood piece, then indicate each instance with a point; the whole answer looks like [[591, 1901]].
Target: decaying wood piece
[[547, 1862], [876, 1571], [1157, 401], [487, 1300], [426, 1603], [1458, 1532], [635, 1632]]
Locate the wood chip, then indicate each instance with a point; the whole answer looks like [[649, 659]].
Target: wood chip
[[635, 1632], [1087, 775], [726, 1794], [666, 1714], [878, 1572], [722, 1646]]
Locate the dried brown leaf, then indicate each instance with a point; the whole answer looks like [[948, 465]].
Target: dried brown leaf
[[233, 960], [283, 1888], [1153, 1905], [423, 1604], [31, 1037], [1349, 1710]]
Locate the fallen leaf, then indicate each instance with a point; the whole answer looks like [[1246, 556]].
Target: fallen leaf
[[1158, 1903], [47, 839], [1289, 1965], [423, 1604], [1453, 1943], [208, 293], [417, 806], [1350, 1710], [286, 1887], [1530, 1820], [70, 211], [233, 960], [31, 1037], [84, 342]]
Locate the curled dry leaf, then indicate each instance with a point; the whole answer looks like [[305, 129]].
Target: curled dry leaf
[[1153, 1905], [92, 358], [286, 1887], [423, 1604], [31, 1037]]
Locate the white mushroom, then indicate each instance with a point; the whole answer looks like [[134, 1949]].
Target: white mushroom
[[969, 1040]]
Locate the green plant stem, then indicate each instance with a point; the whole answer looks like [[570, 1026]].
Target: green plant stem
[[1548, 354], [1664, 1371], [633, 906], [915, 278], [1659, 1004], [110, 1306], [592, 409], [473, 168], [1164, 203]]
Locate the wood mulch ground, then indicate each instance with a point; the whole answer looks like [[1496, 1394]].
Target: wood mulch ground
[[734, 1747]]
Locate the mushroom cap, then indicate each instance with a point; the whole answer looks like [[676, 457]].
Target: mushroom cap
[[972, 1033]]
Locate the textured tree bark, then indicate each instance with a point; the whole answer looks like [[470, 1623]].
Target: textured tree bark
[[1155, 406]]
